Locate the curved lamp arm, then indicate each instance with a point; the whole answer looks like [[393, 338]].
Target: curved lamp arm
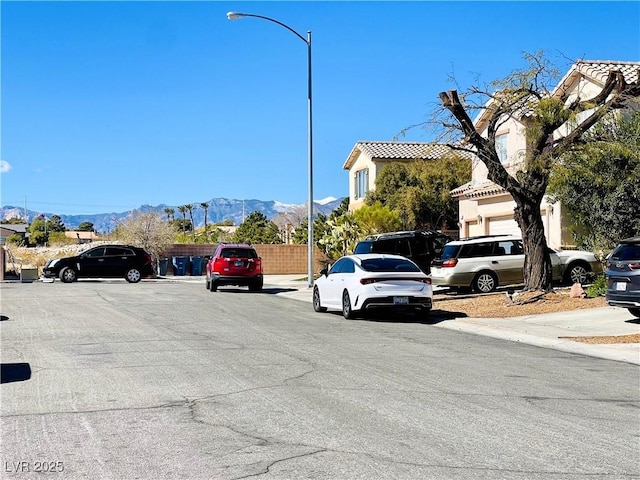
[[237, 15]]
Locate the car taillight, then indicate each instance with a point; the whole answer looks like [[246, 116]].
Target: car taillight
[[632, 266], [450, 262], [148, 257], [368, 281]]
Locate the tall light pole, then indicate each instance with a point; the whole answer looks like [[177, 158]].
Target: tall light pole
[[235, 16]]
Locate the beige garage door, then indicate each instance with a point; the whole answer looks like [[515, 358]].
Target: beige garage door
[[503, 226]]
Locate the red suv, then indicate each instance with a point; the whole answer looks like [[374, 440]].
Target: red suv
[[235, 264]]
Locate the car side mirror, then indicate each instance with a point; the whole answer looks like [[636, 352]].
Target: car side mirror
[[324, 272]]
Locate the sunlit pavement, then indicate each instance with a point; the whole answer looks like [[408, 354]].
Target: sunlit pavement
[[549, 330]]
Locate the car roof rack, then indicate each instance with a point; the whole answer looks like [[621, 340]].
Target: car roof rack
[[480, 237], [402, 233]]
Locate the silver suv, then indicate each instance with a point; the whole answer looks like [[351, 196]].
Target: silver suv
[[484, 263]]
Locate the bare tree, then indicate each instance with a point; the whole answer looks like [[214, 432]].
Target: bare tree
[[288, 221], [555, 122], [149, 231]]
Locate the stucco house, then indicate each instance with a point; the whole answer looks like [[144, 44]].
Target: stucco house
[[486, 208], [367, 159], [82, 237]]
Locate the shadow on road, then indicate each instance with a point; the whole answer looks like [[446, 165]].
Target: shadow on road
[[3, 318], [14, 372], [268, 291], [435, 317]]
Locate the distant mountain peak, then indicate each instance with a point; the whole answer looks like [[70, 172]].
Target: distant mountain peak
[[326, 200], [220, 209]]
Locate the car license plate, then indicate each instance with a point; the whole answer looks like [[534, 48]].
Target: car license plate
[[400, 300], [238, 263], [621, 286]]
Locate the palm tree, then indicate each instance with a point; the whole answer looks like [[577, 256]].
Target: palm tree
[[170, 213], [183, 210], [193, 227], [205, 207]]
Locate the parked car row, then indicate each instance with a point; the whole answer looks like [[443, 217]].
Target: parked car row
[[392, 270], [480, 264]]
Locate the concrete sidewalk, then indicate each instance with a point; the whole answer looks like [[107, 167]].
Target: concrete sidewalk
[[545, 330]]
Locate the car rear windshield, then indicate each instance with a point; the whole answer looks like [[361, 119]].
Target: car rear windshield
[[626, 252], [449, 251], [238, 253], [363, 247], [388, 265]]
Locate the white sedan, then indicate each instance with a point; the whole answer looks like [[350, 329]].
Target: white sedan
[[356, 283]]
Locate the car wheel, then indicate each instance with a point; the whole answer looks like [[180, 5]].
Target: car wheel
[[424, 313], [213, 286], [577, 273], [317, 306], [635, 312], [346, 306], [255, 286], [485, 282], [133, 275], [68, 275]]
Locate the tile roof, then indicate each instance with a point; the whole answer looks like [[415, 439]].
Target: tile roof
[[478, 190], [595, 70], [399, 151], [598, 70]]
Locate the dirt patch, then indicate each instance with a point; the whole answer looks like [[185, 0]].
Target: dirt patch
[[501, 305], [634, 338]]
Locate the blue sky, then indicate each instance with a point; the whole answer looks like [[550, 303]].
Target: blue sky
[[107, 106]]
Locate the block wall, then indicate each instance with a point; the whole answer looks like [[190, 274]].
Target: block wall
[[276, 259]]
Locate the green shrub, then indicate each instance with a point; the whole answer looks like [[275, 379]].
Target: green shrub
[[597, 288], [16, 239], [59, 238]]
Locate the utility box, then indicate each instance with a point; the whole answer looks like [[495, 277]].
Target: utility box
[[28, 274]]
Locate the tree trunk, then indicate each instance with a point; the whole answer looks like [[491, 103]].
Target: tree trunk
[[537, 263]]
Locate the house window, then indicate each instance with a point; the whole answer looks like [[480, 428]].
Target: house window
[[501, 147], [361, 183]]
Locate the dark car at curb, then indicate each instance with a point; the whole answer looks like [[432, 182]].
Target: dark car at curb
[[419, 246], [104, 261], [622, 275], [235, 264]]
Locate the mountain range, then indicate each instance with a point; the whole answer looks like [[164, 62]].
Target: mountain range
[[220, 209]]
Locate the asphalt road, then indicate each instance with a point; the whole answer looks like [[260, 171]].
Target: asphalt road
[[107, 380]]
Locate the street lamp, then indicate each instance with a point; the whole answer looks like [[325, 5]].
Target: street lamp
[[307, 41]]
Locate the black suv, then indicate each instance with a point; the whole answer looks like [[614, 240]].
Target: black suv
[[421, 246], [623, 276], [105, 261]]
